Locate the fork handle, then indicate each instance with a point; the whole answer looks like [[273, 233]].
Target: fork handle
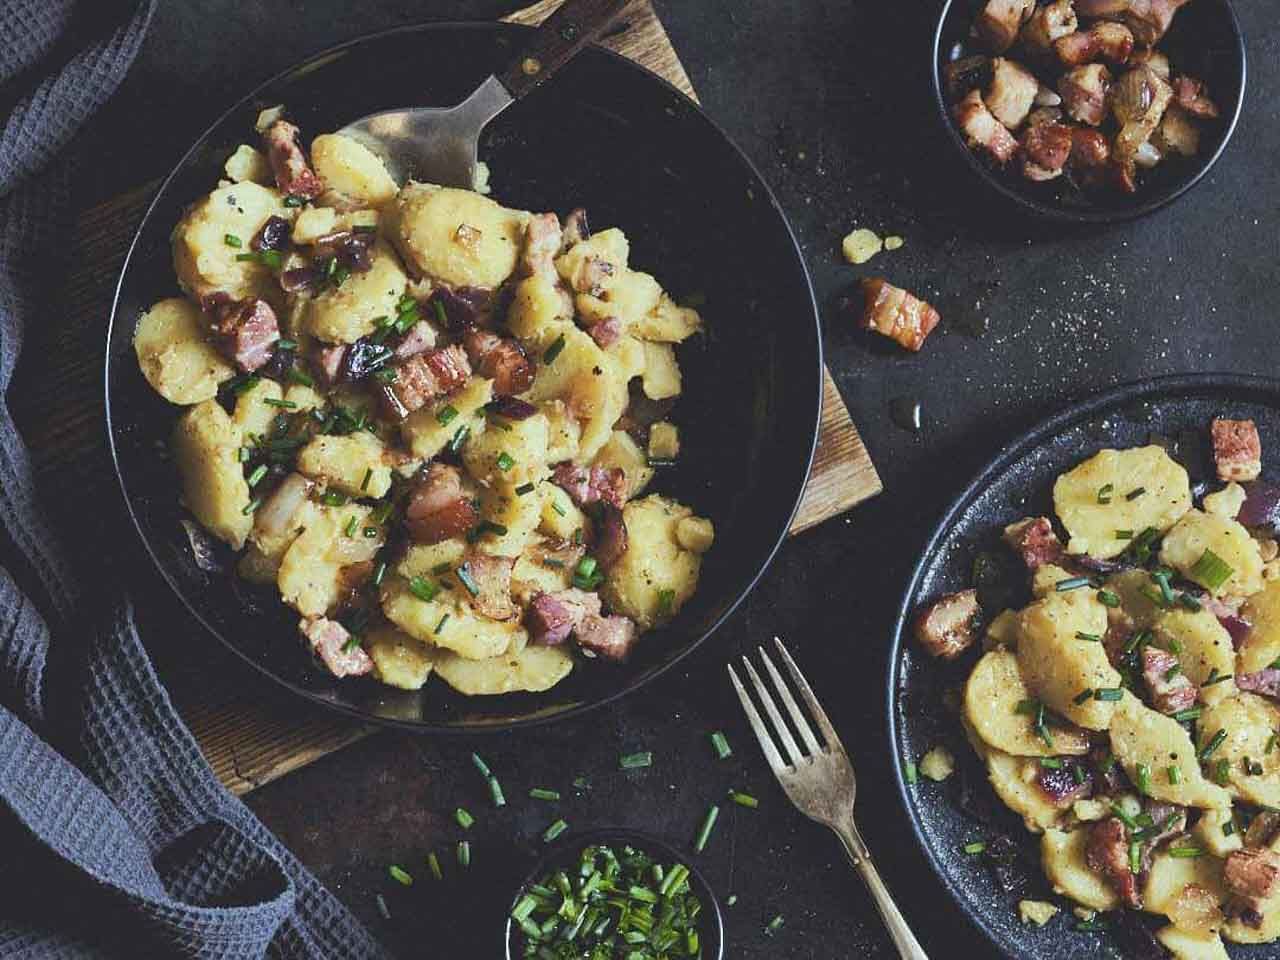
[[573, 25], [860, 856]]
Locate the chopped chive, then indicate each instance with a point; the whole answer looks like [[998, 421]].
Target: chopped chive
[[1104, 493], [1222, 772], [708, 824], [744, 799], [459, 438], [293, 200], [424, 590], [733, 898], [553, 351], [386, 374], [1142, 775], [1108, 599], [1211, 571], [1174, 774], [231, 240], [251, 506], [773, 926], [370, 532], [243, 454], [523, 489], [1083, 696], [1173, 671], [538, 793], [353, 642], [301, 377], [1137, 640], [1190, 602], [1215, 677], [495, 788], [282, 404], [433, 863], [440, 625], [1077, 774], [446, 415], [1071, 583], [350, 528], [440, 568], [1185, 852], [1091, 926], [635, 761], [976, 847], [464, 577], [478, 762], [1213, 744], [284, 343], [379, 572], [721, 745], [1108, 693], [400, 875], [1135, 857], [1123, 534], [465, 819], [1161, 577], [1229, 828], [554, 831], [382, 907], [259, 472], [368, 475], [912, 773], [1191, 713], [1135, 493], [1051, 763], [524, 908], [1091, 637], [557, 508], [464, 853], [1124, 817], [1028, 707], [505, 462], [666, 600]]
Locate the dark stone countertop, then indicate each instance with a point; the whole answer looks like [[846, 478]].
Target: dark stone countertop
[[831, 99]]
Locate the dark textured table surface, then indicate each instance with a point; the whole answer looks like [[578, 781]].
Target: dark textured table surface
[[831, 100]]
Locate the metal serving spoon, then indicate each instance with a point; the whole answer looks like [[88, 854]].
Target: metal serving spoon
[[438, 145]]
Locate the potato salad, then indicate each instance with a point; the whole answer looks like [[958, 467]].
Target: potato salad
[[1127, 713], [428, 421]]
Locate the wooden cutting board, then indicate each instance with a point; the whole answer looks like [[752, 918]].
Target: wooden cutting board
[[248, 738]]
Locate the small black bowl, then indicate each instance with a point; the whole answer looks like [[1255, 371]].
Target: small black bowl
[[1204, 41], [567, 851]]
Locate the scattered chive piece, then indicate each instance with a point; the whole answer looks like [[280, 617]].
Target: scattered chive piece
[[976, 847], [464, 853], [1190, 602], [1108, 693], [1123, 817], [1091, 637], [1077, 774], [251, 506], [1124, 534], [370, 532], [495, 788], [459, 438], [557, 508], [912, 773], [666, 600], [553, 351], [1071, 583], [554, 831], [382, 907], [231, 240], [708, 824], [282, 404], [523, 489], [440, 625], [635, 761], [293, 200], [424, 590], [478, 762], [505, 462], [243, 454], [1229, 828], [1104, 493], [1028, 707], [368, 475], [1051, 763], [1173, 671], [1191, 713], [1185, 852], [465, 819], [1108, 599], [1215, 677], [733, 898], [538, 793], [1091, 926], [464, 577], [446, 415], [1135, 493], [400, 875], [1135, 857], [1213, 744], [744, 800], [284, 343], [379, 572], [1175, 775], [1222, 772], [1211, 571], [1082, 696], [1161, 577], [773, 926], [259, 472], [350, 528], [721, 745], [440, 568], [352, 643], [302, 377], [433, 862]]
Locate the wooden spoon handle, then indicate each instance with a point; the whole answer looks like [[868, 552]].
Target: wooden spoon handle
[[571, 27]]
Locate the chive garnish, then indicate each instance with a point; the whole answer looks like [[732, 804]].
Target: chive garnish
[[721, 745], [523, 489], [744, 799], [465, 819], [379, 572], [440, 568], [1124, 817], [294, 200], [440, 626], [1135, 857], [1135, 493], [1185, 852], [495, 788], [231, 240], [912, 773], [256, 476], [708, 824], [301, 377], [1082, 696], [1108, 599], [1211, 571], [282, 404], [555, 505], [505, 462], [553, 351], [433, 863], [538, 793], [635, 761], [1174, 774], [1190, 602], [1108, 693], [464, 577], [350, 528], [464, 853], [1213, 744], [1051, 763], [400, 875], [446, 415], [1091, 926], [424, 590], [1215, 677], [1222, 772], [773, 926], [1143, 777], [1071, 583], [251, 506], [1091, 637], [459, 438], [382, 907], [368, 475], [554, 831], [1104, 493], [1191, 713]]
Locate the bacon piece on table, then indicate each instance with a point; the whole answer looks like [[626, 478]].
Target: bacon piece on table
[[1237, 449], [608, 637], [329, 641], [293, 173], [438, 508], [1033, 539], [1170, 689], [982, 129], [500, 359], [896, 314], [552, 617], [588, 485], [1107, 852], [424, 377], [247, 331], [949, 626]]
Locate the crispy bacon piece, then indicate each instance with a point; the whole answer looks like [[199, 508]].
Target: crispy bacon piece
[[982, 129], [610, 536], [1147, 19], [1237, 449], [608, 637], [500, 359], [1170, 692], [575, 230], [896, 314], [1011, 93], [967, 73], [595, 484], [1112, 42], [328, 363], [947, 627], [1046, 148], [423, 377], [1262, 829], [1252, 874], [1090, 150], [463, 307], [1107, 852], [328, 640], [1047, 24], [420, 338], [998, 24], [606, 332], [1033, 539], [1060, 784], [1265, 683], [1084, 93], [289, 164], [247, 331], [543, 239], [1191, 95], [492, 578], [439, 509], [552, 617]]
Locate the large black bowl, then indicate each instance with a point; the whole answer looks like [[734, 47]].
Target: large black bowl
[[1018, 483], [618, 140], [1204, 41]]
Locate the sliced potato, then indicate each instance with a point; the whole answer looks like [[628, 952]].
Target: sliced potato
[[625, 454], [448, 621], [345, 314], [1141, 736], [606, 246], [1205, 646], [991, 698], [1063, 857], [1014, 781], [352, 170], [1249, 722], [1210, 832], [178, 361], [586, 379], [696, 534], [539, 311], [533, 669], [655, 576], [518, 514], [426, 436], [205, 263], [1057, 664], [561, 517], [668, 322], [629, 296], [661, 379], [311, 577], [1185, 945], [1002, 631], [664, 441], [1197, 532], [1137, 611], [206, 444], [1117, 476], [1169, 876], [456, 236], [564, 432], [510, 455], [253, 414], [246, 163], [399, 660], [355, 463], [1261, 646], [424, 559]]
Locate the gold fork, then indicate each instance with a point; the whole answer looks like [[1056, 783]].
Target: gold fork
[[820, 783]]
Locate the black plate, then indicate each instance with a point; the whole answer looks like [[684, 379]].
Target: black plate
[[1019, 483], [1204, 41], [612, 137]]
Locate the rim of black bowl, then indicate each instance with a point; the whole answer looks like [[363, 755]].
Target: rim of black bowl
[[563, 850], [1087, 407], [1059, 213], [525, 722]]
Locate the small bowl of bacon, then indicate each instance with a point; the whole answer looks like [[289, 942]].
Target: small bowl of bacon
[[1089, 111]]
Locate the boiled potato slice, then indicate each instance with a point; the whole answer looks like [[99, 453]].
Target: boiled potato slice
[[608, 246], [1197, 532], [655, 576], [1044, 582], [1057, 664], [253, 414], [1237, 931], [510, 453], [246, 163], [1250, 722], [311, 576], [1168, 877], [304, 398], [1092, 525], [1063, 857], [357, 463], [531, 577], [1014, 781], [661, 379], [399, 660], [314, 223], [1185, 945], [1261, 645], [448, 621], [179, 363], [1209, 833], [1226, 502], [532, 669], [561, 517], [456, 236], [664, 441], [203, 260], [345, 314], [1140, 735], [352, 170], [1002, 631], [1206, 649], [539, 312], [520, 514], [629, 296], [668, 322], [424, 559], [206, 444], [564, 432], [586, 379], [624, 453], [1137, 611], [696, 534], [426, 436], [991, 698]]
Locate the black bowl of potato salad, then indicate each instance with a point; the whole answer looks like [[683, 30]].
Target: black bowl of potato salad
[[463, 459]]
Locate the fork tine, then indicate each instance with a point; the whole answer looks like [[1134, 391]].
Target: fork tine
[[789, 744], [793, 708], [806, 693], [758, 725]]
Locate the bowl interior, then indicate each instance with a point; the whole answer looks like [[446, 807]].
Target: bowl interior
[[610, 137], [566, 852], [1019, 483], [1204, 41]]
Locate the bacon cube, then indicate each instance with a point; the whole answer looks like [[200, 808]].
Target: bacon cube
[[897, 314], [1034, 541], [947, 627], [1237, 449]]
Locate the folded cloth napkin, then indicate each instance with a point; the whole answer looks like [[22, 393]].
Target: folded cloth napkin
[[115, 837]]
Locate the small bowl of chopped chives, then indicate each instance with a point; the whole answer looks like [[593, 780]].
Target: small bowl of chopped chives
[[615, 894]]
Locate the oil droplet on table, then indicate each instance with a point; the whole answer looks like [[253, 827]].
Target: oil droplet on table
[[905, 412]]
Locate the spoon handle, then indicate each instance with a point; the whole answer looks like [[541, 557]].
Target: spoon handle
[[573, 25]]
